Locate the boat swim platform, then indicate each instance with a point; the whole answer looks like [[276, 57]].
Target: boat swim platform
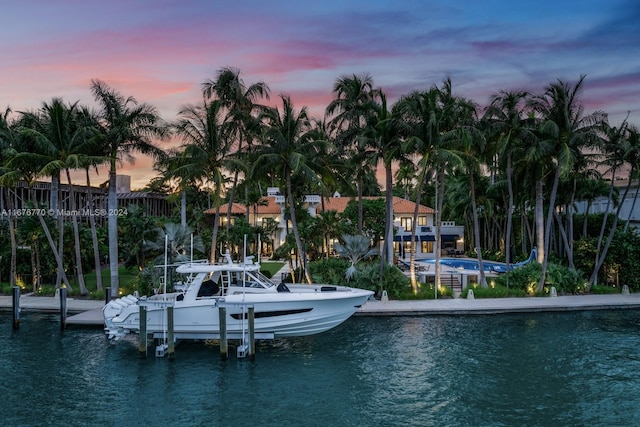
[[89, 312]]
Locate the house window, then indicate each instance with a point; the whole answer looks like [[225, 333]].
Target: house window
[[427, 247], [422, 220], [406, 223]]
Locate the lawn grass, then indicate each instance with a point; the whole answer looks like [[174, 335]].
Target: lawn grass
[[127, 280], [272, 267]]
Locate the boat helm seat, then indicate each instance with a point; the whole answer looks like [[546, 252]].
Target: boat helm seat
[[208, 288], [282, 288]]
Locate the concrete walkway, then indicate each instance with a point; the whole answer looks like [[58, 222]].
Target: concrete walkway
[[499, 305]]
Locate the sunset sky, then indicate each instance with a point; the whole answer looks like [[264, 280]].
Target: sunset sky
[[160, 51]]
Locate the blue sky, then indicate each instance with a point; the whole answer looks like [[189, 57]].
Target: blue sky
[[160, 51]]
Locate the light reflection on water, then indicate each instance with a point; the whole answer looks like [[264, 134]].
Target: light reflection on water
[[527, 369]]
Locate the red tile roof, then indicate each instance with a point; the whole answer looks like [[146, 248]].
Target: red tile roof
[[268, 206]]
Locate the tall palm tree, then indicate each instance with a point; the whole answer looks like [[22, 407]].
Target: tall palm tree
[[622, 147], [125, 127], [242, 107], [58, 139], [350, 111], [287, 151], [382, 133], [471, 144], [427, 117], [563, 131], [203, 157], [507, 115], [7, 141]]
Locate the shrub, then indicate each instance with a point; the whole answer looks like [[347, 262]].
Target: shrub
[[561, 277]]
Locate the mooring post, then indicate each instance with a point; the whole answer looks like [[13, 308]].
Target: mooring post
[[16, 306], [63, 307], [170, 335], [142, 336], [107, 295], [224, 354], [252, 334]]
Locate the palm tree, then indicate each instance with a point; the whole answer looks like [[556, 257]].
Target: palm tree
[[331, 225], [125, 127], [471, 144], [94, 156], [353, 105], [382, 133], [426, 118], [287, 151], [406, 175], [58, 139], [563, 131], [241, 104], [7, 141], [203, 157], [506, 114], [622, 147]]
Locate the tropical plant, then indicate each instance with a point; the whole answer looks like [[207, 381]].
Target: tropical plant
[[202, 159], [354, 248], [288, 152], [124, 127]]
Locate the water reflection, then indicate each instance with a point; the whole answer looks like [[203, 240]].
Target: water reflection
[[526, 369]]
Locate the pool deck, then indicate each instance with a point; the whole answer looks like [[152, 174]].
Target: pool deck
[[89, 312]]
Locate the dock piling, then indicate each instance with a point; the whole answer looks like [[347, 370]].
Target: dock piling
[[170, 333], [142, 336], [224, 354], [16, 307], [63, 307], [252, 329]]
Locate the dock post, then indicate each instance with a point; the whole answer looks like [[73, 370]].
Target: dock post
[[142, 337], [224, 354], [170, 334], [16, 306], [63, 307], [107, 295], [252, 334]]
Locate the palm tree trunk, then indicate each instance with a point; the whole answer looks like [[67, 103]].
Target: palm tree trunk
[[183, 208], [547, 235], [112, 206], [593, 280], [52, 244], [476, 230], [389, 220], [294, 225], [214, 234], [539, 213], [412, 255], [594, 275], [14, 244], [633, 206], [94, 234], [76, 237], [360, 207]]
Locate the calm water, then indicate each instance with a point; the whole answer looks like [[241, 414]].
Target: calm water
[[572, 369]]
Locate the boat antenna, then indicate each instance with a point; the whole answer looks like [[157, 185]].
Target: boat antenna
[[164, 294], [244, 287], [191, 248], [258, 249]]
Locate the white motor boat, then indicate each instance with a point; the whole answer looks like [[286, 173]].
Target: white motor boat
[[282, 310]]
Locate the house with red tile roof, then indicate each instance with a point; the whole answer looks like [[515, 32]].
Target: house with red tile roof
[[272, 208]]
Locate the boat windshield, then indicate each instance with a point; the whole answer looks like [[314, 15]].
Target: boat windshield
[[262, 278]]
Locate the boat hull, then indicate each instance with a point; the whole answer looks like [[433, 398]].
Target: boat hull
[[275, 315]]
